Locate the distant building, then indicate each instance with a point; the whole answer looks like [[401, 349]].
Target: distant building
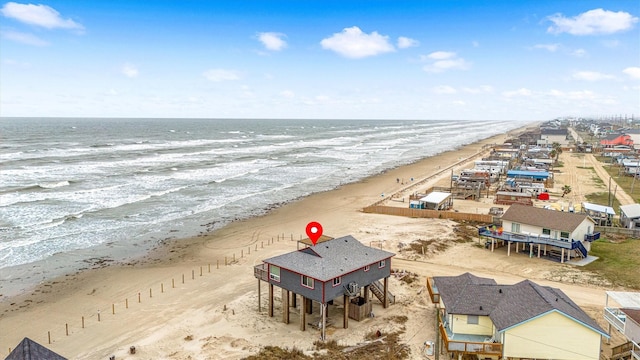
[[614, 140], [634, 134], [602, 215], [630, 216], [550, 136], [435, 200]]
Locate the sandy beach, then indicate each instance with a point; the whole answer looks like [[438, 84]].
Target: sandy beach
[[197, 298]]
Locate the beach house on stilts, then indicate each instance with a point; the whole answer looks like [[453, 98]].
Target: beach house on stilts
[[539, 231], [332, 269]]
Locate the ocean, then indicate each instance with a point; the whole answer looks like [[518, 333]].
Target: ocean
[[76, 189]]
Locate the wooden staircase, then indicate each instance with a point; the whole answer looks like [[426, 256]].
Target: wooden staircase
[[622, 352], [378, 290]]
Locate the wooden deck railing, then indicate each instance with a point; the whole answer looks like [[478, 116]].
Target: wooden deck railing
[[260, 272], [469, 347], [625, 350], [522, 238], [434, 295]]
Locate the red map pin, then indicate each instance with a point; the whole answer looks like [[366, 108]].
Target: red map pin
[[314, 231]]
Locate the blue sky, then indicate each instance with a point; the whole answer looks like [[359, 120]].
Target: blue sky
[[522, 60]]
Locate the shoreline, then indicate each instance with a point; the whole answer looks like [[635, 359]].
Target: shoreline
[[97, 288]]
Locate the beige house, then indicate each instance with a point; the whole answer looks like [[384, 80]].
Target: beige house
[[544, 231], [478, 317]]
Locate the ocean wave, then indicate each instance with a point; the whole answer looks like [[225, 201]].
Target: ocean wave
[[141, 179], [54, 184]]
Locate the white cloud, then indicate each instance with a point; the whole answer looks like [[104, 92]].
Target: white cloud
[[405, 42], [478, 90], [548, 47], [129, 70], [353, 43], [592, 22], [573, 95], [579, 53], [272, 41], [444, 89], [633, 72], [441, 55], [591, 76], [287, 94], [519, 92], [444, 61], [217, 75], [24, 38], [38, 15], [475, 44]]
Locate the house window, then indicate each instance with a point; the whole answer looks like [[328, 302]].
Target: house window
[[307, 281], [337, 281], [367, 268], [564, 235], [546, 231], [274, 273], [472, 319], [515, 227], [382, 263]]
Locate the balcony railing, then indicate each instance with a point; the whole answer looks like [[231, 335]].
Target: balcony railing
[[434, 295], [626, 349], [469, 347], [592, 237], [615, 317], [528, 238], [260, 272]]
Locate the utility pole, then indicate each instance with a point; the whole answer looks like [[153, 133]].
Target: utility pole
[[635, 176]]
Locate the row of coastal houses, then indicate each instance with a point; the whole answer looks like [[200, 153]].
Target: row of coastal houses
[[477, 318]]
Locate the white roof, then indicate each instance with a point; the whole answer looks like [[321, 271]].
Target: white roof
[[632, 211], [436, 197], [598, 208], [625, 299], [513, 193]]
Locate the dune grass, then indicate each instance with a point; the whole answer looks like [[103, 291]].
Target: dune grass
[[618, 261]]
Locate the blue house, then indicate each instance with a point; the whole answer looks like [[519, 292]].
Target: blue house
[[540, 176], [320, 273]]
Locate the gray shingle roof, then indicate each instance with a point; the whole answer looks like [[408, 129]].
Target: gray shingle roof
[[31, 350], [330, 259], [549, 131], [550, 219], [506, 305]]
